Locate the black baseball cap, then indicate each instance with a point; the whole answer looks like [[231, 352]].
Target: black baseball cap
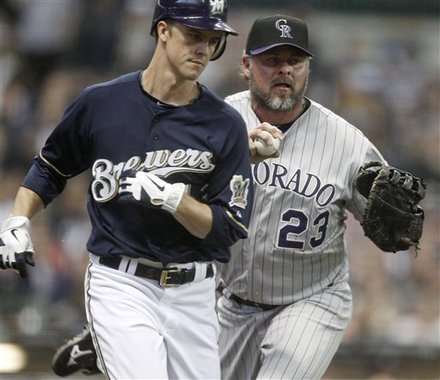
[[277, 30]]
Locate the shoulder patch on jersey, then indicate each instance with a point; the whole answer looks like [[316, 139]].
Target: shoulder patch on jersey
[[240, 189]]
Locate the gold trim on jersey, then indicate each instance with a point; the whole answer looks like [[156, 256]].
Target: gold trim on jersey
[[53, 167], [231, 216]]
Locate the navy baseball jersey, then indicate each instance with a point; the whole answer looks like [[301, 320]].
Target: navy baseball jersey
[[116, 127]]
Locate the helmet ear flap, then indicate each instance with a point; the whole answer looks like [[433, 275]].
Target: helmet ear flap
[[219, 49]]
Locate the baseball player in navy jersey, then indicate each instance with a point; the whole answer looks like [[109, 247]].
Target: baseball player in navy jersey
[[286, 299], [171, 191]]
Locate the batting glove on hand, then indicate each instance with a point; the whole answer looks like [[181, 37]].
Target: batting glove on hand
[[16, 249], [149, 189]]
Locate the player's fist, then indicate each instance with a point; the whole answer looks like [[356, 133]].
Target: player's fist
[[267, 147], [149, 189], [264, 142], [16, 249]]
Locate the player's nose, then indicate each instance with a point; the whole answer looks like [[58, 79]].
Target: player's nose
[[285, 68]]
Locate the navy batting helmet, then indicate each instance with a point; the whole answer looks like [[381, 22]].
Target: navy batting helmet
[[198, 14]]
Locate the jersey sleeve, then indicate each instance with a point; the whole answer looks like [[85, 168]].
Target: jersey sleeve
[[63, 155], [231, 190], [358, 202]]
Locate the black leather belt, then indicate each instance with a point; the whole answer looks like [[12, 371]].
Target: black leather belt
[[241, 301], [164, 276]]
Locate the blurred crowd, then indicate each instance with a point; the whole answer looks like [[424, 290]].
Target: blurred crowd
[[381, 73]]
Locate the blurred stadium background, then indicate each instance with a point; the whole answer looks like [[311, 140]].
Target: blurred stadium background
[[376, 63]]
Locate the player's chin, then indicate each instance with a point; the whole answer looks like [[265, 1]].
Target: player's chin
[[195, 68]]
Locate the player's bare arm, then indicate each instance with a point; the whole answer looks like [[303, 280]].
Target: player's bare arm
[[27, 203], [195, 216]]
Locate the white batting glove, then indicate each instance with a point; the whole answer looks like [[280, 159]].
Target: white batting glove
[[150, 189], [16, 249]]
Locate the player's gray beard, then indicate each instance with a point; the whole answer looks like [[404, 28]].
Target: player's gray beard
[[274, 102]]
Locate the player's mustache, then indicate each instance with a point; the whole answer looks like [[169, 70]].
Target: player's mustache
[[283, 80]]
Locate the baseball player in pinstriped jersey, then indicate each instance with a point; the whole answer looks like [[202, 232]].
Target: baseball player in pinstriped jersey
[[286, 299]]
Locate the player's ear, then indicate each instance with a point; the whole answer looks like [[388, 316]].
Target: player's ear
[[245, 61], [245, 66], [163, 30]]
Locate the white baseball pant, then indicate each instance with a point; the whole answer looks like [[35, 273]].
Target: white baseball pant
[[144, 331]]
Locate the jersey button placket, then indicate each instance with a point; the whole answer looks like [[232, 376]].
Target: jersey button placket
[[156, 119]]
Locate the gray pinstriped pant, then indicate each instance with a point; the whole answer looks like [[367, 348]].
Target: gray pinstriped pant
[[296, 341]]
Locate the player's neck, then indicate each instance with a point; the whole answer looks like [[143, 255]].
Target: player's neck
[[167, 89]]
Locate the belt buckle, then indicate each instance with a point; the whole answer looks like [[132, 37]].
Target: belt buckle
[[165, 276]]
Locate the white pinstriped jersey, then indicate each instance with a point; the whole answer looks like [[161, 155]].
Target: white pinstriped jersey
[[296, 241]]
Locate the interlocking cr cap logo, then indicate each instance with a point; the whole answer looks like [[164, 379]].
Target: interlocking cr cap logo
[[217, 6], [284, 28]]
